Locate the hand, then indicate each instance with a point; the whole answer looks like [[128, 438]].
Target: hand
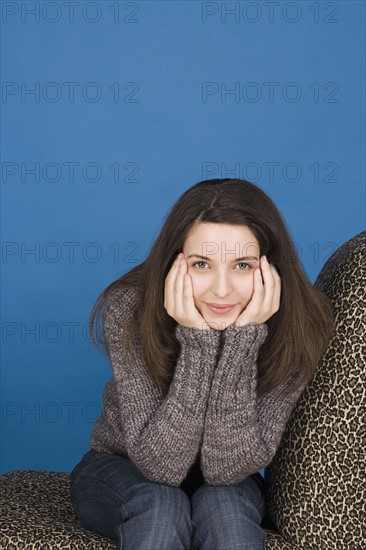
[[178, 296], [265, 300]]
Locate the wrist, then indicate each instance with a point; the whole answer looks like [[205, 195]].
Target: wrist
[[197, 335]]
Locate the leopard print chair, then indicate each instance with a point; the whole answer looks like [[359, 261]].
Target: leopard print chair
[[316, 489], [315, 483]]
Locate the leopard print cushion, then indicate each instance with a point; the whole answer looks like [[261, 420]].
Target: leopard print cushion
[[37, 514], [316, 483]]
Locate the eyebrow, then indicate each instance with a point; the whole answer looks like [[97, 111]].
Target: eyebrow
[[236, 259]]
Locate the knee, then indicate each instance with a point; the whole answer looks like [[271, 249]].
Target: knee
[[160, 500], [208, 494], [235, 499], [209, 497], [97, 507], [165, 510]]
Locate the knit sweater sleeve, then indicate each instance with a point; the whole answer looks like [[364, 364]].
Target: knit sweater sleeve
[[242, 432], [162, 433]]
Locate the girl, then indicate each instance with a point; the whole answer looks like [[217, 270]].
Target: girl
[[212, 340]]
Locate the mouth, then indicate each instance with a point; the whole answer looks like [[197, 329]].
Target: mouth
[[221, 309]]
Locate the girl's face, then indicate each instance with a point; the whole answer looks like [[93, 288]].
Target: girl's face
[[221, 260]]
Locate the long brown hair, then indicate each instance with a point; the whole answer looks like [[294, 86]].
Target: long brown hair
[[298, 333]]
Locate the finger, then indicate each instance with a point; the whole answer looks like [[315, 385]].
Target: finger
[[187, 292], [169, 280], [258, 291], [268, 282], [277, 285], [272, 287], [169, 285], [267, 271], [189, 311], [178, 287], [277, 292]]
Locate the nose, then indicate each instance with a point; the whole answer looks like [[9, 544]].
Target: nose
[[221, 285]]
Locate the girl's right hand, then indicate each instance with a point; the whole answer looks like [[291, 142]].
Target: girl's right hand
[[178, 296]]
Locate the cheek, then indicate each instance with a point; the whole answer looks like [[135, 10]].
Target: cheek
[[246, 290], [194, 282], [197, 285]]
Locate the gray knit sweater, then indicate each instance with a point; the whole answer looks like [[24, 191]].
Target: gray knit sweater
[[211, 405]]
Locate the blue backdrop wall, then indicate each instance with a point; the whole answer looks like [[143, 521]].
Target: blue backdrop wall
[[110, 110]]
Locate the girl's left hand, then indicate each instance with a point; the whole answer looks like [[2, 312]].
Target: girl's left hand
[[265, 300]]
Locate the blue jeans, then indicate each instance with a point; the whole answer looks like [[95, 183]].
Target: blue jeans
[[113, 498]]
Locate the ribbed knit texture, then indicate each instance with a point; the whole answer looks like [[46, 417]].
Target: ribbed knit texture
[[211, 404]]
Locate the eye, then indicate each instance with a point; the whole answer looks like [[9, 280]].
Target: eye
[[195, 264], [246, 266]]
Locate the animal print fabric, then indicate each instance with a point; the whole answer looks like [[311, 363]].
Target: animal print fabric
[[316, 490], [37, 514]]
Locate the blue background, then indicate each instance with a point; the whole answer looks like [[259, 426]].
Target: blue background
[[174, 122]]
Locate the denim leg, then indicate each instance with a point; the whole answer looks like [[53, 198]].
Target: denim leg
[[228, 517], [113, 498]]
